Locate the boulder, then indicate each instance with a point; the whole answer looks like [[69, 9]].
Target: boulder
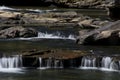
[[19, 31], [107, 35], [92, 23]]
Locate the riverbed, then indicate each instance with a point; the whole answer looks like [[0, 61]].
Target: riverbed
[[56, 39]]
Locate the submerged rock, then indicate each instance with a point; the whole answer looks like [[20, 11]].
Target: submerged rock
[[107, 35], [18, 31]]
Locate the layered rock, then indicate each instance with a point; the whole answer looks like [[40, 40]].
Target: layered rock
[[107, 35], [18, 31], [61, 19], [63, 3], [85, 3], [52, 58], [56, 54]]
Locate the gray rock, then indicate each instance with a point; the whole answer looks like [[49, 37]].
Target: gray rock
[[86, 3], [19, 31], [107, 35]]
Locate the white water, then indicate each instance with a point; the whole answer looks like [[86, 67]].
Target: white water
[[47, 36], [88, 62], [55, 36], [6, 8], [11, 64], [34, 10], [41, 11], [50, 63], [107, 64]]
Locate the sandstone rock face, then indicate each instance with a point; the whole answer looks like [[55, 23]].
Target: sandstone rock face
[[19, 31], [107, 35]]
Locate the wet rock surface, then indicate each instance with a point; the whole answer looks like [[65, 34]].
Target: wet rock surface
[[51, 19], [52, 58], [17, 31], [107, 35], [55, 54]]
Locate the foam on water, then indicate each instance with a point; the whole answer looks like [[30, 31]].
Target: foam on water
[[11, 64], [11, 70], [6, 8], [45, 36], [107, 63], [55, 36], [41, 11]]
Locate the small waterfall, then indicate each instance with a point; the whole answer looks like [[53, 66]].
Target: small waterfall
[[47, 36], [88, 61], [50, 63], [11, 62], [114, 66], [40, 60], [109, 63], [55, 36], [106, 61]]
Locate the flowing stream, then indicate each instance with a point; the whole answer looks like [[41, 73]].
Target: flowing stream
[[87, 68]]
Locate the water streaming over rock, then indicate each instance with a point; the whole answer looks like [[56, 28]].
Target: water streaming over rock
[[50, 63], [88, 62], [106, 63], [11, 62], [55, 36]]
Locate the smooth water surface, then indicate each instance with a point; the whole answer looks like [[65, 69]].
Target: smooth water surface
[[61, 74]]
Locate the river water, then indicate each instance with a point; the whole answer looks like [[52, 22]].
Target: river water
[[51, 39]]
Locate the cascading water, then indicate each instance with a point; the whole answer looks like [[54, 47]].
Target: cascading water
[[11, 62], [107, 63], [88, 62], [55, 36], [50, 63], [46, 35]]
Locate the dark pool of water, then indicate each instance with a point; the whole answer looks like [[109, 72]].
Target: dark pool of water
[[61, 74]]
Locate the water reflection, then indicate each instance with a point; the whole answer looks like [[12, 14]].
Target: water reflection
[[60, 74]]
